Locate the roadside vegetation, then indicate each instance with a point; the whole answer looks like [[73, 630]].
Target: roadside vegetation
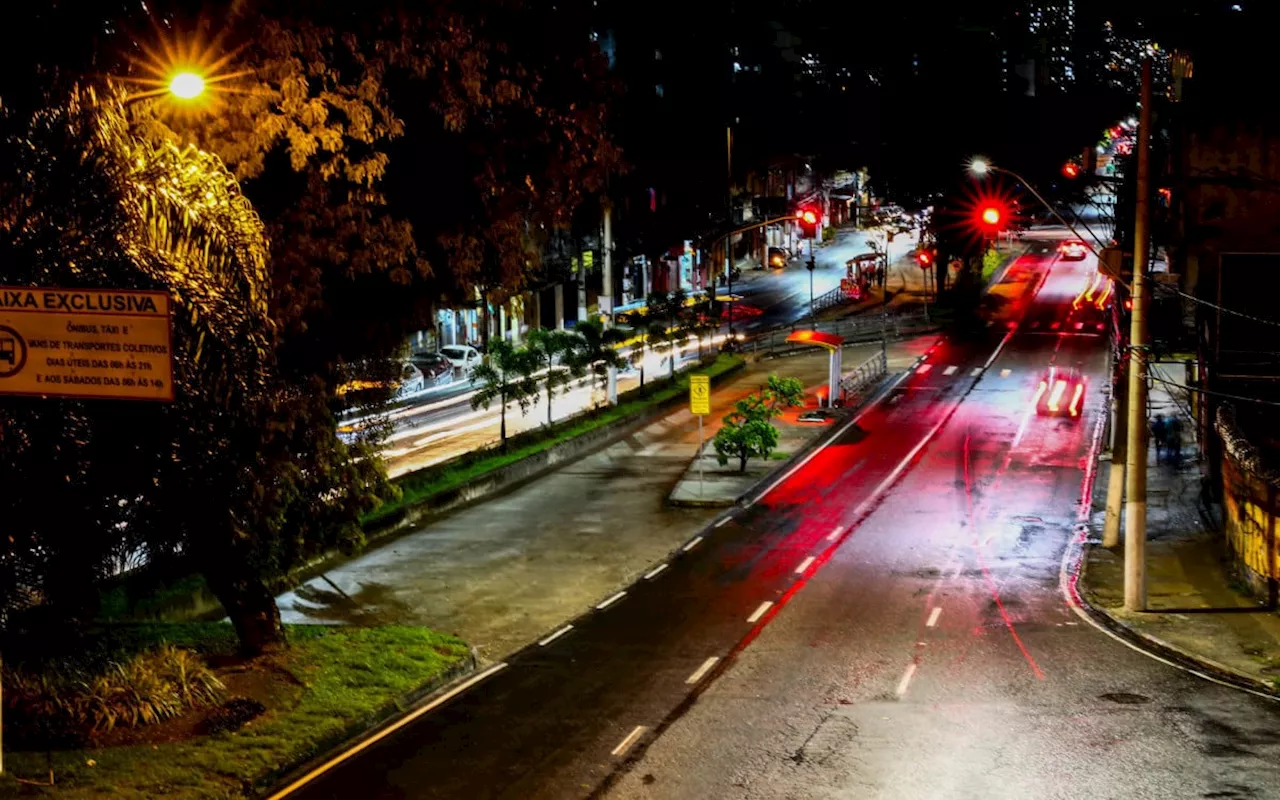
[[174, 710]]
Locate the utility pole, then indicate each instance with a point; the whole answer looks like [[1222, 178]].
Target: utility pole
[[1119, 449], [811, 266], [1135, 506], [606, 294], [728, 216]]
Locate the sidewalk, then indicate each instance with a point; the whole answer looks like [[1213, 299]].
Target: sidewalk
[[1197, 609], [504, 572]]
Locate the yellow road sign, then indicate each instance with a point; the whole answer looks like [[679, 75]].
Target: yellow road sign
[[700, 394], [91, 343]]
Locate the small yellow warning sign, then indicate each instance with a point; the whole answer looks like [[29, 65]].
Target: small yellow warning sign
[[700, 394]]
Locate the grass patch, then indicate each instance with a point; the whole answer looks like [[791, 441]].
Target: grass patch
[[340, 676], [417, 487]]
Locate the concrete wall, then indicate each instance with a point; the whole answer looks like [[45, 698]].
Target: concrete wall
[[1250, 499]]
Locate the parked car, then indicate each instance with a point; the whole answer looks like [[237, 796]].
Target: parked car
[[436, 369], [461, 356], [370, 381]]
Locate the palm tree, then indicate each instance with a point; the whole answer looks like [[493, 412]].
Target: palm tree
[[672, 319], [551, 353], [505, 375], [596, 350]]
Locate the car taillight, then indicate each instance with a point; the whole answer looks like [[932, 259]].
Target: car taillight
[[1074, 408], [1055, 397]]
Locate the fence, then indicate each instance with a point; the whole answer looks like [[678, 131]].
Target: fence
[[864, 375]]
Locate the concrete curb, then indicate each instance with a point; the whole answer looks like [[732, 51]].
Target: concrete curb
[[360, 729], [1168, 651]]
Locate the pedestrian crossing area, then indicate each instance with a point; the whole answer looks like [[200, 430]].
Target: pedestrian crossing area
[[952, 369]]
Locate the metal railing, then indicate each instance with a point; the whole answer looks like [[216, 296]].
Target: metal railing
[[864, 375]]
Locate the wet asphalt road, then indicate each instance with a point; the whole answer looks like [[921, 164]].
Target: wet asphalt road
[[886, 622]]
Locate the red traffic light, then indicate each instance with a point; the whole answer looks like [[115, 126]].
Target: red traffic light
[[1070, 169], [991, 216], [808, 219], [924, 257]]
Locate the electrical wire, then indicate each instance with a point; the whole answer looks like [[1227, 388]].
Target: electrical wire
[[1209, 393], [1216, 307]]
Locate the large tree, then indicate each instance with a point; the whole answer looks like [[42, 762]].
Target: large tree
[[231, 475]]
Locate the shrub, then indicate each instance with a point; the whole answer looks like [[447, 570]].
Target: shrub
[[60, 707]]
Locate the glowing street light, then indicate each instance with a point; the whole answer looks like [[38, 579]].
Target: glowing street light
[[186, 85]]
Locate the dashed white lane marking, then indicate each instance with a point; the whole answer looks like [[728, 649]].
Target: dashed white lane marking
[[906, 679], [975, 372], [653, 573], [701, 671], [626, 743], [692, 544], [804, 565], [385, 732], [611, 601], [923, 368], [835, 534], [951, 370], [555, 636], [760, 611], [723, 521], [1004, 373], [933, 616]]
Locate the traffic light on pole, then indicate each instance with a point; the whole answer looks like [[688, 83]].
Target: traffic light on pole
[[1070, 170], [925, 258], [808, 220], [991, 218]]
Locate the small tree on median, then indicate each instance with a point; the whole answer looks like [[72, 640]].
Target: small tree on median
[[748, 430], [505, 375], [550, 352]]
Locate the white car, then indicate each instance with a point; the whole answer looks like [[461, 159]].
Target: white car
[[461, 356], [411, 380]]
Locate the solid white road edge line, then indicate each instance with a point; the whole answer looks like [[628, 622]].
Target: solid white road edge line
[[626, 743], [760, 611], [933, 616], [653, 573], [906, 679], [1074, 553], [385, 732], [555, 636], [611, 601], [840, 432], [692, 544], [808, 562], [701, 671]]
